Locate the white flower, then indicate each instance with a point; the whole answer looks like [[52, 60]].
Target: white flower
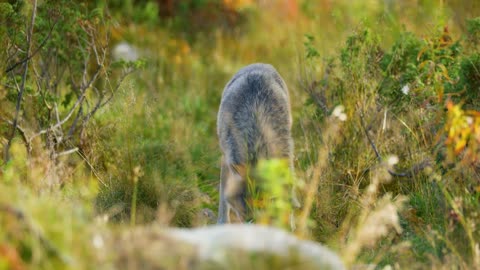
[[405, 89], [98, 241], [338, 112], [392, 160], [469, 120]]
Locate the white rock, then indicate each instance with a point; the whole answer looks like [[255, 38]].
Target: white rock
[[125, 51], [216, 242]]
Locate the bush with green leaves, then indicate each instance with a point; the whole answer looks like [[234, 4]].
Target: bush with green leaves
[[56, 75], [401, 100]]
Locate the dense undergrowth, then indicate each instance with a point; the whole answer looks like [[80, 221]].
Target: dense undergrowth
[[385, 101]]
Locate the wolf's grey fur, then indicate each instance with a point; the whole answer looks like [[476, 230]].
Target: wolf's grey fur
[[254, 122]]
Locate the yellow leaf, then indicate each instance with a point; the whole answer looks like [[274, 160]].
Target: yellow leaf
[[444, 72], [459, 146], [421, 52], [423, 64]]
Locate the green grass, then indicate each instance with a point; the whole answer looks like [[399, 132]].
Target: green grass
[[152, 154]]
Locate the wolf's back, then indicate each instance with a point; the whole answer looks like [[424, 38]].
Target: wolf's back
[[254, 119]]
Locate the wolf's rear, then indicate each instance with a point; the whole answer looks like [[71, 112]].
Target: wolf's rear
[[254, 122]]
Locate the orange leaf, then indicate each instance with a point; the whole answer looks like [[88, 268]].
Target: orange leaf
[[10, 255]]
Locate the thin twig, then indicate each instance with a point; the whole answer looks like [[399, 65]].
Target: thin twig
[[101, 104], [100, 62], [67, 152], [408, 173], [79, 100], [34, 52], [75, 122], [22, 86], [79, 152], [318, 96], [84, 87], [25, 138], [60, 136], [85, 69]]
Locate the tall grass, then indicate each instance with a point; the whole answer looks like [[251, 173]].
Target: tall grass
[[152, 154]]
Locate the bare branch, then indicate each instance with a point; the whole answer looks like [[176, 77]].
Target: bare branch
[[112, 93], [23, 133], [415, 169], [316, 89], [75, 86], [58, 138], [77, 103], [85, 70], [58, 124], [101, 103], [67, 152], [75, 122], [79, 152], [13, 47], [34, 52], [22, 86], [92, 79]]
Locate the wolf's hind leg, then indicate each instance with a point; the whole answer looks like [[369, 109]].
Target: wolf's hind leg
[[223, 208]]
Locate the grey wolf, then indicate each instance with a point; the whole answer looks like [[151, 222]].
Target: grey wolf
[[254, 122]]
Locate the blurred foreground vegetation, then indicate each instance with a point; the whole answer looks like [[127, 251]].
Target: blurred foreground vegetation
[[92, 144]]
